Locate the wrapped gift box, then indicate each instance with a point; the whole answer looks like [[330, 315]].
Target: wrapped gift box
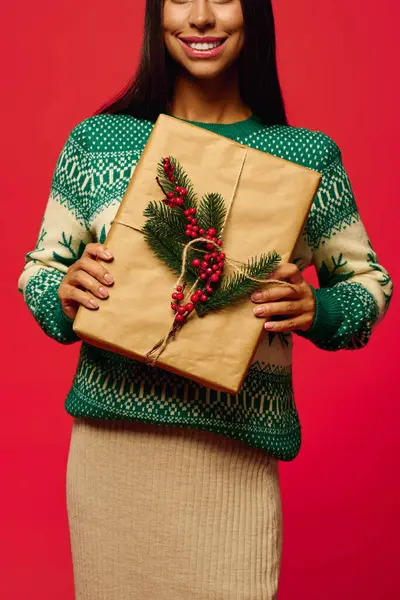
[[270, 206]]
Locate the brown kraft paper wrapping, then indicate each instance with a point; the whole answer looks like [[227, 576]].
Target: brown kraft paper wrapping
[[268, 213]]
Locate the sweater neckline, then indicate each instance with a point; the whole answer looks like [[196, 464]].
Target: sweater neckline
[[236, 129]]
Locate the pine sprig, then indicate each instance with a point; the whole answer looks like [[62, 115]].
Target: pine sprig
[[166, 222], [212, 212], [167, 250], [181, 180], [237, 286]]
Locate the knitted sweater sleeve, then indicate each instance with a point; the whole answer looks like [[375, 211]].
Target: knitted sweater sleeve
[[354, 288], [61, 241]]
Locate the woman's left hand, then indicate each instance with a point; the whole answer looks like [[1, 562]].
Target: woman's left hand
[[297, 305]]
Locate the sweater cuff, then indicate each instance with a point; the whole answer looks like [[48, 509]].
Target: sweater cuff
[[328, 316]]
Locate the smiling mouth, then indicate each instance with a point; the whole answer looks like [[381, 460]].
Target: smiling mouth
[[203, 44]]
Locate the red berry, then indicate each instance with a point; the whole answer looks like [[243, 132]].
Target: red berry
[[196, 262], [189, 307], [209, 289], [194, 221], [215, 267], [179, 318], [203, 276], [195, 228], [204, 264], [178, 189], [207, 257], [187, 212], [199, 292], [183, 191], [214, 255], [219, 242], [220, 265], [172, 168], [170, 194], [214, 278], [194, 234], [194, 298], [180, 296], [188, 233], [212, 232], [209, 271], [201, 231], [175, 296], [204, 298], [193, 211], [181, 310], [173, 306], [172, 178], [214, 239], [189, 219], [167, 160], [172, 202], [209, 246], [222, 256], [208, 237], [179, 288], [219, 272], [180, 201]]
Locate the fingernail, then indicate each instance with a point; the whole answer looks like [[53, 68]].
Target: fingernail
[[109, 278], [269, 325], [107, 253], [259, 311], [94, 303], [257, 296], [103, 292]]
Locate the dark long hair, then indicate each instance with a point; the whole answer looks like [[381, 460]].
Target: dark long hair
[[149, 92]]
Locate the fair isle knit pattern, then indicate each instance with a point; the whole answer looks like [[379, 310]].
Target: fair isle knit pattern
[[89, 181]]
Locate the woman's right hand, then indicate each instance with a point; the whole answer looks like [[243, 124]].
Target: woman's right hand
[[86, 274]]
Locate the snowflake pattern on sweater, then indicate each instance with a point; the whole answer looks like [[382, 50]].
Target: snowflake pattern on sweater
[[89, 181]]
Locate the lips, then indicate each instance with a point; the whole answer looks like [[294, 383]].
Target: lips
[[202, 47], [202, 40]]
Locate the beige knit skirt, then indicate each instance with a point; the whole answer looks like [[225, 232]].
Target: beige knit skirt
[[163, 513]]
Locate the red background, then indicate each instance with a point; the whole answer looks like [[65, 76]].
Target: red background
[[341, 496]]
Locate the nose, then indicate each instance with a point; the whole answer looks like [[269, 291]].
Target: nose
[[201, 14]]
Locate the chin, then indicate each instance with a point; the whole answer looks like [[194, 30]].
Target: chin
[[204, 69], [204, 73]]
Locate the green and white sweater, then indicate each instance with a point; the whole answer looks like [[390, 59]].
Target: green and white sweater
[[90, 178]]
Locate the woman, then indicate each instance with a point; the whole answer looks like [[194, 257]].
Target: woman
[[173, 494]]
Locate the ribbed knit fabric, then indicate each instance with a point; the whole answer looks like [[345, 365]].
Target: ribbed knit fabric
[[90, 178], [160, 513]]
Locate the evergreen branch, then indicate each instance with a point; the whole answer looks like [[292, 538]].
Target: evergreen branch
[[238, 286], [212, 212], [167, 249], [166, 221]]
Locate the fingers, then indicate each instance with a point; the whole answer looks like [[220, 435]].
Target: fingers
[[94, 269], [300, 322], [98, 251], [279, 308], [71, 297], [288, 272], [86, 275], [82, 279], [274, 293]]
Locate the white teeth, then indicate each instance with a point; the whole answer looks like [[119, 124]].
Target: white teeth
[[204, 46]]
